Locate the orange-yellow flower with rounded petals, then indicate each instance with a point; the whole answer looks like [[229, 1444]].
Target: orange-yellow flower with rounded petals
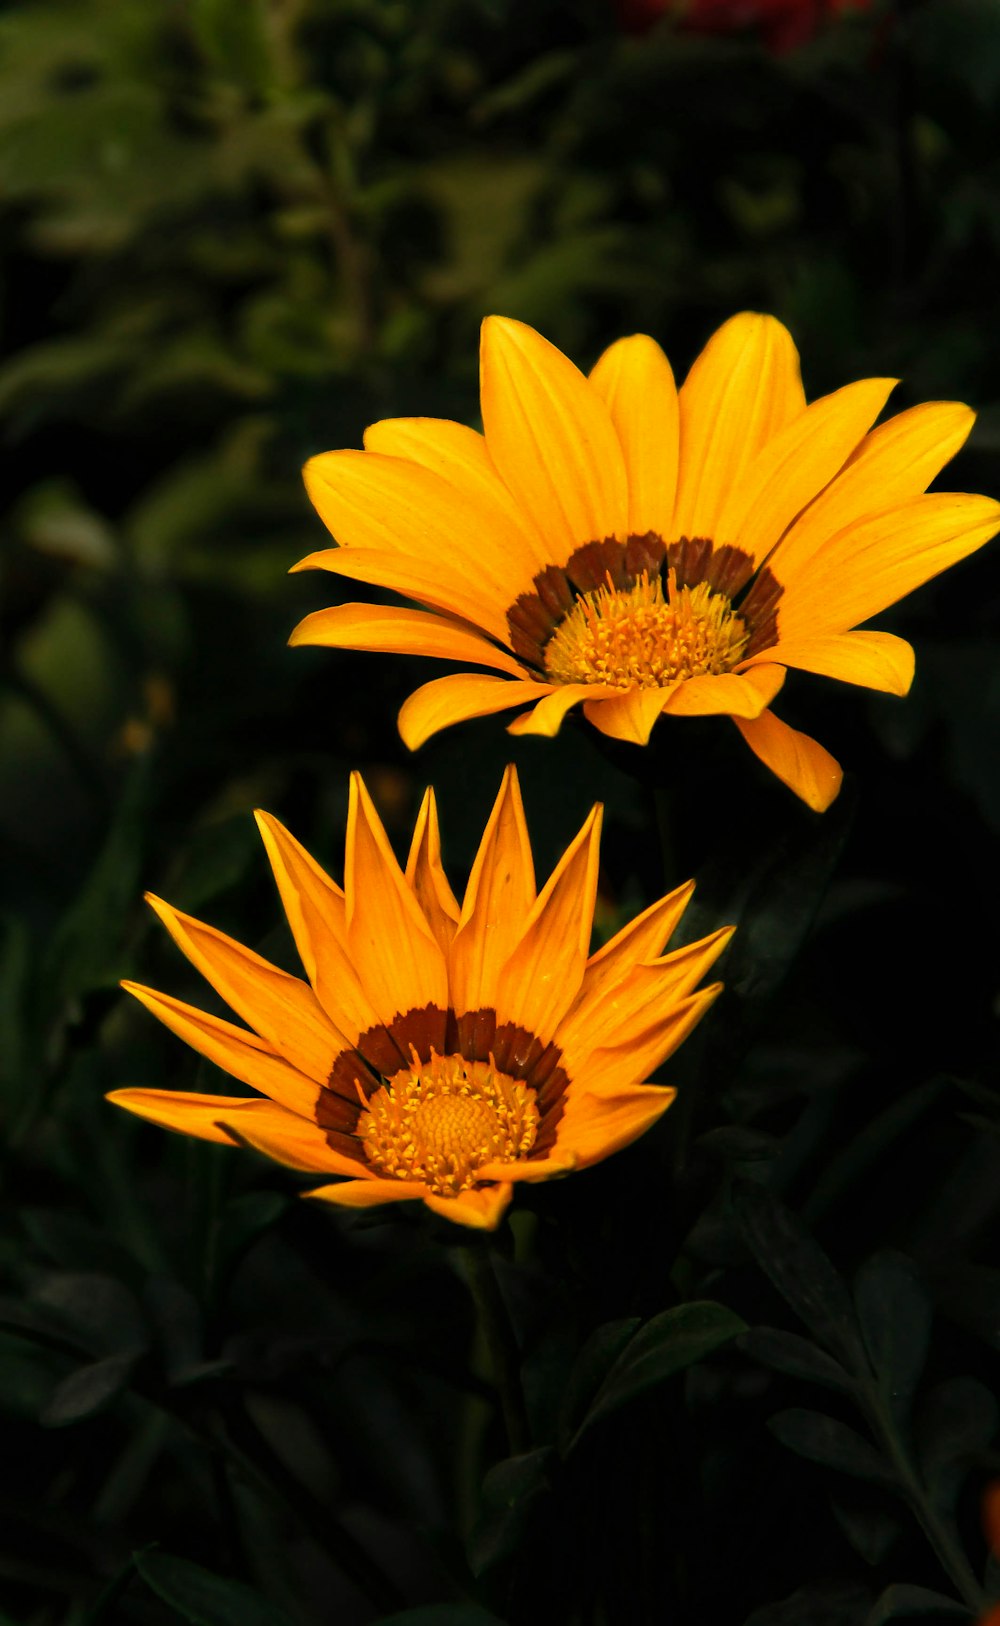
[[438, 1051], [641, 550]]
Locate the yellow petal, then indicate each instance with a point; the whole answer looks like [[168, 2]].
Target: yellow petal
[[547, 717], [233, 1049], [551, 438], [732, 694], [280, 1008], [388, 503], [398, 960], [481, 1208], [498, 899], [594, 1126], [614, 1069], [798, 761], [631, 715], [636, 383], [543, 974], [386, 630], [743, 388], [460, 456], [893, 464], [641, 940], [870, 565], [876, 660], [530, 1171], [317, 916], [426, 878], [417, 579], [455, 699], [187, 1113], [295, 1142], [370, 1193], [622, 1010], [797, 463]]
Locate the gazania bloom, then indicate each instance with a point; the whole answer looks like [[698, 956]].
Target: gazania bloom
[[438, 1051], [617, 543]]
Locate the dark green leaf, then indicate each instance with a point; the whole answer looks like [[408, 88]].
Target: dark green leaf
[[913, 1600], [442, 1614], [88, 1390], [801, 1272], [895, 1316], [513, 1492], [206, 1599], [595, 1360], [870, 1529], [97, 1311], [830, 1603], [797, 1357], [665, 1345], [957, 1421], [823, 1439]]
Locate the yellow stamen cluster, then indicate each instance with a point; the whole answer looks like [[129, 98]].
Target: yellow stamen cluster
[[440, 1121], [636, 636]]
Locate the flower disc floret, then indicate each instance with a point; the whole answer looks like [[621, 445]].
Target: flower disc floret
[[637, 636], [441, 1122]]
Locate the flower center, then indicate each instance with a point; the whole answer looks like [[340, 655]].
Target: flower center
[[441, 1120], [636, 636]]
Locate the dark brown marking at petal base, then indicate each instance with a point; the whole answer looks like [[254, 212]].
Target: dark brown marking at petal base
[[533, 617], [760, 611]]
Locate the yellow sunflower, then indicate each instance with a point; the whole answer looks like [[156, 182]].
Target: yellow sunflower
[[638, 549], [438, 1051]]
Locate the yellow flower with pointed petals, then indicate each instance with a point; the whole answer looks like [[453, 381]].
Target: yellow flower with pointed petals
[[618, 543], [438, 1051]]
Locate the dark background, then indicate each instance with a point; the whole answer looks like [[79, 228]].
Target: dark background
[[232, 233]]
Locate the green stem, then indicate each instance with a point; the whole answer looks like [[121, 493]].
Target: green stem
[[498, 1334]]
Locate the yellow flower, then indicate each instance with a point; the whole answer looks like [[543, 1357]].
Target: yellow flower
[[638, 549], [438, 1051]]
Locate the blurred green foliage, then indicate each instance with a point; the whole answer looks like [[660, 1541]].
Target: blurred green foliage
[[232, 233]]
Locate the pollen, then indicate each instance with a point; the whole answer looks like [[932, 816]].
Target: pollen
[[637, 636], [440, 1121]]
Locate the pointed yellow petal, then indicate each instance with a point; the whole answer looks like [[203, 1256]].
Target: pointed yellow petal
[[631, 715], [623, 1010], [551, 438], [295, 1142], [547, 717], [187, 1113], [743, 388], [280, 1008], [498, 898], [370, 501], [872, 564], [369, 1193], [426, 878], [734, 694], [416, 579], [543, 974], [384, 629], [798, 761], [893, 464], [481, 1208], [398, 960], [876, 660], [460, 456], [796, 464], [595, 1126], [614, 1069], [636, 383], [448, 700], [530, 1171], [638, 942], [233, 1049]]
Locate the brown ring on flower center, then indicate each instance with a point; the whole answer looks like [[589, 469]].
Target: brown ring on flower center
[[533, 617], [425, 1031]]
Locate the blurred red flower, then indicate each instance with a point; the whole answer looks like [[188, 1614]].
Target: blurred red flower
[[781, 24]]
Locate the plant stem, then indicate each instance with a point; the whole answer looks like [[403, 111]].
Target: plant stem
[[498, 1334]]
